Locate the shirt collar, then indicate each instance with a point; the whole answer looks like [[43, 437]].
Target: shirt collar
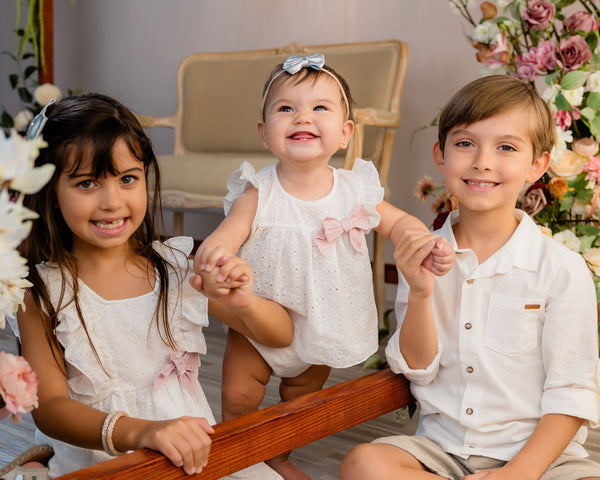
[[523, 250]]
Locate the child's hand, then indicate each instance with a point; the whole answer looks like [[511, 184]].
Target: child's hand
[[184, 441], [440, 260], [230, 283], [208, 256], [411, 254]]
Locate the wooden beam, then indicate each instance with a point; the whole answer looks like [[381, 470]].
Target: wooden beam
[[253, 438]]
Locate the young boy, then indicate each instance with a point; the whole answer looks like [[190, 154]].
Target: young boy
[[502, 351]]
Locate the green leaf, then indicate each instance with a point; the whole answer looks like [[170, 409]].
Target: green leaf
[[573, 80], [6, 121], [562, 103], [595, 126], [25, 95], [588, 113], [566, 203], [591, 230], [29, 71], [592, 40], [586, 242], [563, 3], [551, 79], [593, 100], [14, 80]]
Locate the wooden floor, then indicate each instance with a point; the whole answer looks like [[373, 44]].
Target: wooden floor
[[320, 459]]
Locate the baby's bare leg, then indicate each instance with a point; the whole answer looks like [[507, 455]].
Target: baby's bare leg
[[374, 461], [311, 380], [245, 375]]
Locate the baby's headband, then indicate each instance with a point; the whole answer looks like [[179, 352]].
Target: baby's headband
[[293, 65]]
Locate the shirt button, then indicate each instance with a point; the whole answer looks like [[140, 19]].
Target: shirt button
[[469, 411], [471, 281], [469, 369], [468, 326]]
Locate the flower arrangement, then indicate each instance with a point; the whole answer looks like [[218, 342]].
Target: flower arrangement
[[18, 176], [553, 45]]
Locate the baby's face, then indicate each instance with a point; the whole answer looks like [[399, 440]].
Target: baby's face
[[486, 164], [305, 121]]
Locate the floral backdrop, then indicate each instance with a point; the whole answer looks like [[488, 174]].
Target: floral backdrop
[[553, 44], [18, 176]]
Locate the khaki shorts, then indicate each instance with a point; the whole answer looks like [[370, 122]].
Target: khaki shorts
[[436, 460]]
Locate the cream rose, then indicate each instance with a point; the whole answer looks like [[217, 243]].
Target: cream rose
[[46, 92], [586, 147], [568, 239], [569, 165], [22, 120], [592, 256]]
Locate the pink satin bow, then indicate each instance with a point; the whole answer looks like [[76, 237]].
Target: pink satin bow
[[333, 228], [186, 368]]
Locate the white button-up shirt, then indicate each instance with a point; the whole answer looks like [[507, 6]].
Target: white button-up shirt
[[517, 339]]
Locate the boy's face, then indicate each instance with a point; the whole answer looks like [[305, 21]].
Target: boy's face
[[486, 164]]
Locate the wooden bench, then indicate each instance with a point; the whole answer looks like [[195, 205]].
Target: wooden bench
[[247, 440]]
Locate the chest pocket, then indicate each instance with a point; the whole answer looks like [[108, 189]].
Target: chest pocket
[[513, 324]]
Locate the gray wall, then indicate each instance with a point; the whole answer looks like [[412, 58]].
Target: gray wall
[[130, 49]]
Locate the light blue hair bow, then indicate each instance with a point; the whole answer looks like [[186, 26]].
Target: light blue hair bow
[[294, 64]]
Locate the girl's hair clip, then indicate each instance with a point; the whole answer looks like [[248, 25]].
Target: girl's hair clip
[[38, 122], [294, 64]]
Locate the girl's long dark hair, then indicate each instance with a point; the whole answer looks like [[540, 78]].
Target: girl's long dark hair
[[80, 128]]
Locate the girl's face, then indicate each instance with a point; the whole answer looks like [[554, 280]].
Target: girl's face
[[102, 213], [305, 121]]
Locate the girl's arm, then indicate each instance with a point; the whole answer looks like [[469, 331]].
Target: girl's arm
[[395, 222], [185, 441], [230, 234]]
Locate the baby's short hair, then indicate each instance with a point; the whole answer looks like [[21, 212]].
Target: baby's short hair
[[494, 94]]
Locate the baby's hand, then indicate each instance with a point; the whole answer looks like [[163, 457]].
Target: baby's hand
[[185, 441], [230, 283], [441, 258], [208, 256]]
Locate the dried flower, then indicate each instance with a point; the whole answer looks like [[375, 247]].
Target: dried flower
[[557, 187], [425, 187], [488, 10], [18, 386], [46, 92], [534, 201]]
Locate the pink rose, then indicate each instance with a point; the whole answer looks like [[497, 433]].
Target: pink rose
[[539, 14], [18, 386], [581, 21], [575, 52]]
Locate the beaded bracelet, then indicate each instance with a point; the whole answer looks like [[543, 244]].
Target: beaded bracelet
[[107, 431]]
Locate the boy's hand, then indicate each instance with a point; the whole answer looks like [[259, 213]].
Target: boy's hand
[[411, 254], [440, 260]]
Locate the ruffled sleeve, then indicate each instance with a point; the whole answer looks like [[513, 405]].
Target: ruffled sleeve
[[238, 182], [368, 177], [191, 307]]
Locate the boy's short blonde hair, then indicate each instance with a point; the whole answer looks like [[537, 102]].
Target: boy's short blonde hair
[[488, 96]]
